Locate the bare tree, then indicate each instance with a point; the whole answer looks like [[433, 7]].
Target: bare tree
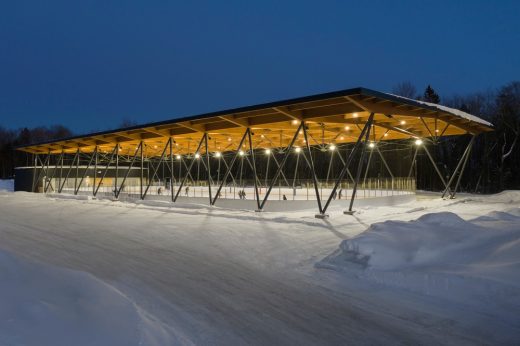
[[405, 89], [127, 122], [508, 122]]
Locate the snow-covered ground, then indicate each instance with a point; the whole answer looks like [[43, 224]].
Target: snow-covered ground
[[45, 305], [6, 184], [441, 255], [425, 272]]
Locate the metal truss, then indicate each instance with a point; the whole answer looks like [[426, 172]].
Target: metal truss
[[230, 167], [364, 133], [105, 170], [94, 154], [284, 160], [190, 167], [462, 162], [49, 183], [76, 158], [203, 158], [44, 169], [138, 150], [367, 128], [155, 169], [459, 169], [310, 163]]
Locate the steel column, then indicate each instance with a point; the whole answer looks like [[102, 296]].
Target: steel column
[[36, 164], [280, 167], [68, 172], [462, 169], [35, 157], [464, 158], [47, 170], [436, 168], [360, 165], [348, 161], [171, 168], [231, 164], [95, 169], [85, 172], [295, 171], [254, 167], [188, 173], [180, 169], [191, 165], [155, 169], [218, 169], [343, 162], [368, 165], [330, 166], [42, 170], [267, 169], [208, 168], [77, 173], [106, 170], [241, 170], [413, 161], [230, 173], [61, 166], [384, 162], [311, 166], [141, 178], [117, 170], [53, 173], [118, 191], [281, 173]]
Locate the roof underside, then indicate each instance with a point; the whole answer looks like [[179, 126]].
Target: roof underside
[[336, 117]]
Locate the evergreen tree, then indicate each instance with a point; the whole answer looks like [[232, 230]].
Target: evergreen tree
[[430, 95]]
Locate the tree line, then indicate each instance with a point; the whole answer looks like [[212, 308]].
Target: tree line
[[494, 164], [10, 139]]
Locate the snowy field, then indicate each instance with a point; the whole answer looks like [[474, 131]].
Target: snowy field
[[81, 271], [44, 305]]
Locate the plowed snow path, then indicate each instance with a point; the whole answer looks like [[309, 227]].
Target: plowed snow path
[[231, 277]]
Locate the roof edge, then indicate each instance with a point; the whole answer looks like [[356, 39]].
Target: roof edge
[[271, 104]]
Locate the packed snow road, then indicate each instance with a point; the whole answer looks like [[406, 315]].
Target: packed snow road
[[217, 276]]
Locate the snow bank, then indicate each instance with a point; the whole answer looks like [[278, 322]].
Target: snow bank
[[44, 305], [440, 254], [6, 185], [66, 196], [507, 196]]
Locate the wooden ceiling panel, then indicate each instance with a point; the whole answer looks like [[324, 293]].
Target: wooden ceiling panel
[[331, 118]]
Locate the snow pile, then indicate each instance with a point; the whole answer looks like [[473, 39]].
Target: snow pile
[[440, 254], [6, 185], [504, 197], [44, 305]]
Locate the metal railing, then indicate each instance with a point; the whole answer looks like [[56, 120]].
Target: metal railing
[[299, 189]]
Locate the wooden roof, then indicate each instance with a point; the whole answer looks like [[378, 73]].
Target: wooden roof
[[335, 117]]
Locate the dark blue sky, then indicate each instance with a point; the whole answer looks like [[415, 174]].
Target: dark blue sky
[[90, 64]]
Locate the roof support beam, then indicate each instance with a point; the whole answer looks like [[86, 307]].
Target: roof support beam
[[332, 109], [393, 128], [157, 133], [241, 122], [292, 115], [191, 126]]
